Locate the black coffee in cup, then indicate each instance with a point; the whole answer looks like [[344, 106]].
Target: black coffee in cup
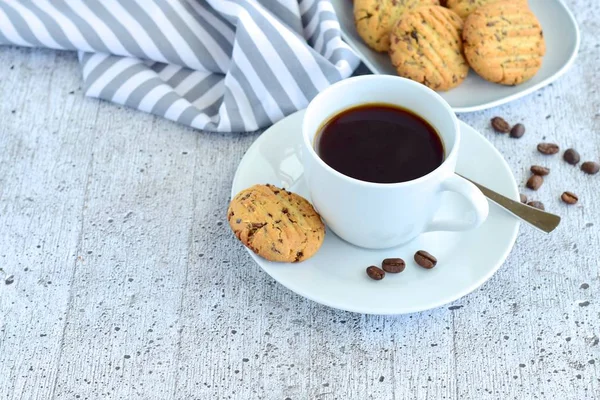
[[380, 143]]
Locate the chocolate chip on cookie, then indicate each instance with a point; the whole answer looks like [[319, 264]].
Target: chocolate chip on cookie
[[276, 224]]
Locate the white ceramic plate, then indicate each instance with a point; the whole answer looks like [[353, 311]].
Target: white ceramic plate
[[562, 43], [336, 276]]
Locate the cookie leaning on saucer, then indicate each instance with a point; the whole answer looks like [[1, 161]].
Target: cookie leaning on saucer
[[375, 18], [426, 47], [504, 42], [465, 7], [276, 224]]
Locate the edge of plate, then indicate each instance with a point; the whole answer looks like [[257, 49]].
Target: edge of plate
[[510, 98], [255, 143]]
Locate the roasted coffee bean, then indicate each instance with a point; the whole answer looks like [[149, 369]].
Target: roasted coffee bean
[[500, 125], [569, 198], [548, 148], [536, 204], [517, 131], [590, 167], [535, 182], [375, 273], [571, 156], [425, 260], [523, 198], [539, 170], [393, 265]]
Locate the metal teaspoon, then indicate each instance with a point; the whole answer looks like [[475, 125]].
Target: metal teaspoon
[[542, 220]]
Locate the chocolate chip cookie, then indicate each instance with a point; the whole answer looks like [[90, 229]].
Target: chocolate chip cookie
[[276, 224], [426, 47], [504, 42], [375, 18]]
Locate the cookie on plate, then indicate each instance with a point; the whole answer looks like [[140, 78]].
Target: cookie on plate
[[504, 42], [465, 7], [375, 18], [426, 47], [276, 224]]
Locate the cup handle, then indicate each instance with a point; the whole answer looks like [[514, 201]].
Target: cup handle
[[475, 198]]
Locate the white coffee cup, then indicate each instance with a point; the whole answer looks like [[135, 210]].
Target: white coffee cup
[[380, 215]]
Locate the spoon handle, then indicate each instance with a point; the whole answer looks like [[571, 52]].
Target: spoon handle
[[542, 220]]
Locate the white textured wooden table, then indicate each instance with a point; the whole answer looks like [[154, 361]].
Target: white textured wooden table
[[128, 285]]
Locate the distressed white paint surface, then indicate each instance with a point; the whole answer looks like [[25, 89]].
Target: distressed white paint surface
[[127, 284]]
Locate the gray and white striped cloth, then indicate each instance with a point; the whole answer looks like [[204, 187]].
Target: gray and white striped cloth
[[218, 65]]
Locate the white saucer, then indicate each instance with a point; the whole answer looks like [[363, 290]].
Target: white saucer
[[562, 44], [336, 276]]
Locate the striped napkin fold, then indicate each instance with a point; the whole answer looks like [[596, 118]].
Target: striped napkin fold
[[217, 65]]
